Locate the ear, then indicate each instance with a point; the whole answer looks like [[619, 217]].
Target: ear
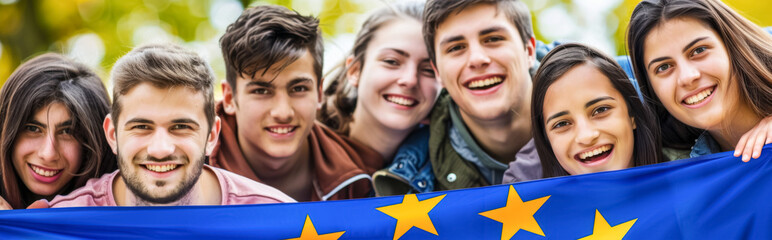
[[437, 76], [530, 49], [109, 128], [229, 104], [352, 74], [633, 120], [214, 135]]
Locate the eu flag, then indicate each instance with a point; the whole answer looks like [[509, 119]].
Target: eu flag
[[711, 197]]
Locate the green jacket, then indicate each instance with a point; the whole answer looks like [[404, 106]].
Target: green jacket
[[450, 169]]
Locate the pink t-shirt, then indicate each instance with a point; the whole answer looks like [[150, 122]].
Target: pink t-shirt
[[235, 190]]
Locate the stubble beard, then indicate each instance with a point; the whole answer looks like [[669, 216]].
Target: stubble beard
[[179, 194]]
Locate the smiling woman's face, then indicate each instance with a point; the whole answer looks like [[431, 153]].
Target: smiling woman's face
[[46, 155], [689, 70], [587, 122], [396, 85]]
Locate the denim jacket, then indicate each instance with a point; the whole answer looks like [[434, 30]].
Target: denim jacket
[[704, 145], [411, 166]]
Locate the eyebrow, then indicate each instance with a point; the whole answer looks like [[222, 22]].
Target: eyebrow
[[594, 101], [268, 84], [482, 32], [692, 43], [588, 104], [451, 39], [138, 120], [186, 120], [491, 29], [299, 80], [33, 121], [62, 124], [684, 50], [556, 115], [398, 51], [656, 60]]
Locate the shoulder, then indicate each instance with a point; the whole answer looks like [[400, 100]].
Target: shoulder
[[340, 149], [96, 192], [237, 189], [441, 106], [440, 119]]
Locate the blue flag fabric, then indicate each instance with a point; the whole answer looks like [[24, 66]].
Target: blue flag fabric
[[711, 197]]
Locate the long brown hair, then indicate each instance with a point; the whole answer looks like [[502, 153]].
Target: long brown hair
[[647, 148], [341, 97], [46, 79], [749, 48]]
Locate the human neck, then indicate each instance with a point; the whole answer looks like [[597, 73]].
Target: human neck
[[370, 132], [294, 177], [206, 191], [728, 134], [502, 137]]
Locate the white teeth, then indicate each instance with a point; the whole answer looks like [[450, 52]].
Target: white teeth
[[43, 172], [281, 130], [697, 98], [161, 168], [401, 101], [594, 152], [484, 82]]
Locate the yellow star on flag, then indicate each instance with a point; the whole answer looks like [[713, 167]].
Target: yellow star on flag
[[309, 233], [412, 213], [517, 215], [602, 230]]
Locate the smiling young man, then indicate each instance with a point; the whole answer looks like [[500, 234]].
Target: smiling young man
[[482, 51], [162, 127], [273, 59]]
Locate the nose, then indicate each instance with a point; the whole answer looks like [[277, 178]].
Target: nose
[[409, 77], [688, 74], [160, 145], [478, 58], [48, 151], [282, 111], [586, 133]]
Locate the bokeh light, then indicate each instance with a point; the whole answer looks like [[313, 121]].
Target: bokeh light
[[98, 32]]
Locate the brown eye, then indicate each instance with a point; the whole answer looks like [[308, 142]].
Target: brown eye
[[455, 48], [662, 68], [181, 127], [493, 39], [560, 124], [261, 91], [698, 50], [67, 131], [427, 72], [32, 128], [139, 127], [391, 62], [300, 89], [600, 110]]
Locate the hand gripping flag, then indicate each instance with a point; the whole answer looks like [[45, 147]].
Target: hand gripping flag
[[711, 197]]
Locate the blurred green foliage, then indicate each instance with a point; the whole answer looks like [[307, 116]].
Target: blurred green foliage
[[30, 28]]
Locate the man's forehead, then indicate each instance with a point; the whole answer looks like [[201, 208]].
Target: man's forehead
[[158, 104], [281, 73], [451, 26]]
